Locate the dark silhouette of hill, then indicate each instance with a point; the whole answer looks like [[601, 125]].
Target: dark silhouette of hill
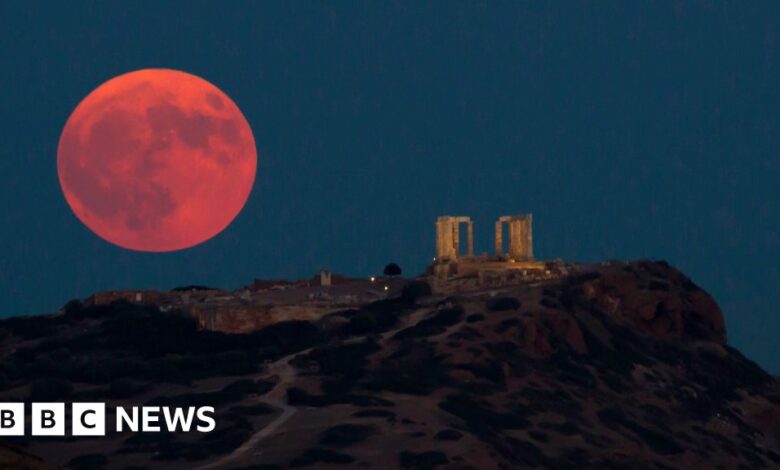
[[623, 365]]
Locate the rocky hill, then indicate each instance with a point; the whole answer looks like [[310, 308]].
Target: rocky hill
[[617, 366]]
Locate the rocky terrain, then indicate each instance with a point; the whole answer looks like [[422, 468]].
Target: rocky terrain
[[621, 365], [15, 458]]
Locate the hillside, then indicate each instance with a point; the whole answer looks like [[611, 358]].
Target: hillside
[[619, 365]]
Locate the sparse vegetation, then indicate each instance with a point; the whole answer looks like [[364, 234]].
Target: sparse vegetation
[[252, 410], [297, 396], [50, 390], [339, 359], [325, 456], [503, 303], [344, 435], [374, 414], [392, 269], [414, 369], [415, 290], [434, 325], [229, 394], [429, 459], [124, 388], [448, 435], [89, 462]]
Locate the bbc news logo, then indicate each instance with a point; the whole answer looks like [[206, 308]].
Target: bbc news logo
[[89, 419]]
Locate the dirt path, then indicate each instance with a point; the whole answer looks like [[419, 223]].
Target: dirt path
[[276, 398]]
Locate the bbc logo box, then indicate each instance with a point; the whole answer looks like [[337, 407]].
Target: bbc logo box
[[11, 419], [49, 419], [88, 419]]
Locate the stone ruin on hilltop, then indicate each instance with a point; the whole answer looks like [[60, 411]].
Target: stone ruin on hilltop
[[452, 270], [270, 301]]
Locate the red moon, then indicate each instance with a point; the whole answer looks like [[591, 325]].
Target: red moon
[[156, 160]]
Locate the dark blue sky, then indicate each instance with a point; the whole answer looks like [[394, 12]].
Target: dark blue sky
[[629, 129]]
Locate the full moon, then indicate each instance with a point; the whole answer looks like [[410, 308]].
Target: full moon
[[156, 160]]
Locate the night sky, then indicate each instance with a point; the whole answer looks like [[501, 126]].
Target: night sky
[[629, 130]]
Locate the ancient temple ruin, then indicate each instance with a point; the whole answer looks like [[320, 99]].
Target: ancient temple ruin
[[520, 237], [510, 264], [448, 237]]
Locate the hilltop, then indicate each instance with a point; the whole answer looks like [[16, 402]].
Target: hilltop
[[605, 366]]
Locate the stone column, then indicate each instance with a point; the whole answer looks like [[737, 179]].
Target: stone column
[[456, 239], [520, 238], [470, 238], [439, 239], [528, 237], [512, 245], [444, 233], [499, 239]]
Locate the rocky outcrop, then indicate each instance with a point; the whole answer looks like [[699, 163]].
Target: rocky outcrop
[[657, 299]]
